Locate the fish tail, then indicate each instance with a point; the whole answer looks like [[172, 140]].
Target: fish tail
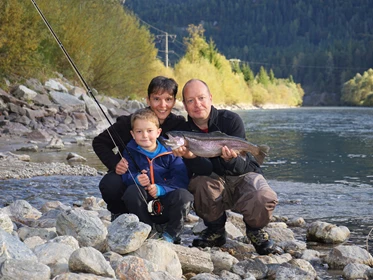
[[263, 152], [264, 148]]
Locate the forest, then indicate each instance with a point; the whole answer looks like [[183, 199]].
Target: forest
[[321, 44], [250, 52], [117, 56]]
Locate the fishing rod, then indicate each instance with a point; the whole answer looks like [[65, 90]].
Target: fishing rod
[[154, 206]]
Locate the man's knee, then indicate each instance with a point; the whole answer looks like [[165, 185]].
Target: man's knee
[[210, 186], [267, 198]]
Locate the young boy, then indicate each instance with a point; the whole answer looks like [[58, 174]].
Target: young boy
[[154, 173]]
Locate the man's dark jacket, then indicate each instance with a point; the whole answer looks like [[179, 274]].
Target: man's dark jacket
[[231, 124]]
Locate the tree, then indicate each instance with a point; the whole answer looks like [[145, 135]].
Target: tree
[[271, 76], [18, 37], [203, 61], [107, 44], [263, 77], [196, 43], [235, 64], [248, 73]]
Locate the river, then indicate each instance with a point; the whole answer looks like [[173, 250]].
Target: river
[[320, 164]]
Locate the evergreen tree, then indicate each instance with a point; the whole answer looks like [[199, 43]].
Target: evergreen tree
[[271, 76], [235, 64], [263, 77], [248, 73]]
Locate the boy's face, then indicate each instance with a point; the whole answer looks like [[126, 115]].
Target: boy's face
[[145, 134], [161, 104]]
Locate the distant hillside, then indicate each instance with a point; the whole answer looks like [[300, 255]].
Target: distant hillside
[[322, 44]]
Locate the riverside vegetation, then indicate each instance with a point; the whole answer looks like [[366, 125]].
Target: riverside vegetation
[[79, 242]]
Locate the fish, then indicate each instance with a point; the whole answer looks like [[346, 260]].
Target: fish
[[209, 145]]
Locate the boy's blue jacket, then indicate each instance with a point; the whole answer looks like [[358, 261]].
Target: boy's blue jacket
[[169, 171]]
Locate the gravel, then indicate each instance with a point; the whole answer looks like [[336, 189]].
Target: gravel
[[11, 168]]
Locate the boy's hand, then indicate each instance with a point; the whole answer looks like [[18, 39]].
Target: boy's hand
[[152, 190], [121, 167], [143, 178]]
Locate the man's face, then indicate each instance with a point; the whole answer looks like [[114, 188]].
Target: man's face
[[161, 104], [197, 101]]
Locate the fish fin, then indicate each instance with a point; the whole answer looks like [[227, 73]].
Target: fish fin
[[218, 134]]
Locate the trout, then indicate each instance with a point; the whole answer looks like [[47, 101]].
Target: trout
[[210, 144]]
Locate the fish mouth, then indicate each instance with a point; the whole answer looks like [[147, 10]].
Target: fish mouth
[[174, 142]]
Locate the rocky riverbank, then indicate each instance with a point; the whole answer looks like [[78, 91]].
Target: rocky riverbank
[[58, 111], [37, 118], [79, 242], [50, 114]]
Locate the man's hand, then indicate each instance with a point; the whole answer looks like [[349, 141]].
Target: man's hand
[[121, 167], [143, 179], [183, 152], [227, 154], [152, 190]]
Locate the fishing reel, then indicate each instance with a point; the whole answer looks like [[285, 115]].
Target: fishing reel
[[155, 207]]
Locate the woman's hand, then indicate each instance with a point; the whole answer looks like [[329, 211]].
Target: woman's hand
[[121, 167]]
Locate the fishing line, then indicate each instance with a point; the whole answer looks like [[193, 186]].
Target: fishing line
[[89, 91]]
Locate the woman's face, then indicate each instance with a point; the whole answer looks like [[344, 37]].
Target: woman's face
[[161, 104]]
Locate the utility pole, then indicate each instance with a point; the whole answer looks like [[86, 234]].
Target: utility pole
[[166, 35]]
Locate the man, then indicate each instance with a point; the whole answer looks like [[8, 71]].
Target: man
[[161, 99], [226, 182]]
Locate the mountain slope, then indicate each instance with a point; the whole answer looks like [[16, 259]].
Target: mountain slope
[[322, 44]]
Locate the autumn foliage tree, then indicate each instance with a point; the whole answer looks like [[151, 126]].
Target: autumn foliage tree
[[359, 90], [113, 52], [19, 38], [203, 61]]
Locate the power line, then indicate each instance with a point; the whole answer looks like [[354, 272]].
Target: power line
[[164, 35], [298, 66], [174, 40]]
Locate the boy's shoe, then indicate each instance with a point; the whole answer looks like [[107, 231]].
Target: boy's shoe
[[177, 240], [262, 242], [211, 238], [167, 237]]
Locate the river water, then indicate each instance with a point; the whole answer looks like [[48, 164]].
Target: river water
[[320, 164]]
